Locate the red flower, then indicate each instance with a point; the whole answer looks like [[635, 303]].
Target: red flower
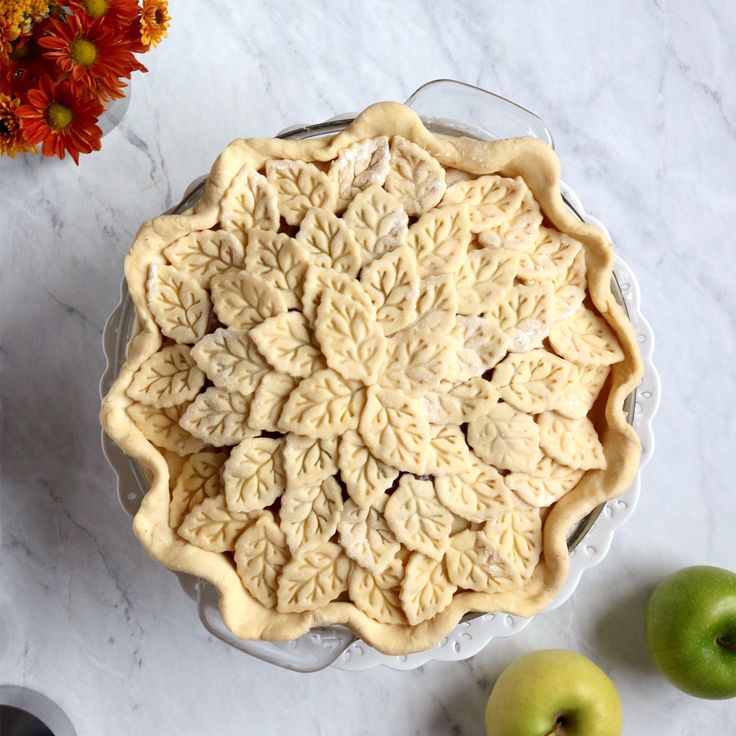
[[95, 58], [54, 117], [24, 68], [121, 12]]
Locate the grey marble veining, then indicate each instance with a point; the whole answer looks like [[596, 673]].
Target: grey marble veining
[[641, 101]]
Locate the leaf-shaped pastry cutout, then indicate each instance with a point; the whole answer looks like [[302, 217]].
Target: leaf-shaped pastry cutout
[[506, 438], [569, 287], [313, 578], [552, 255], [198, 479], [358, 166], [532, 382], [168, 378], [548, 482], [456, 403], [211, 526], [287, 343], [585, 338], [448, 452], [516, 537], [218, 417], [180, 306], [437, 303], [583, 386], [328, 242], [440, 240], [378, 595], [366, 537], [392, 283], [280, 261], [351, 342], [572, 442], [425, 588], [417, 518], [260, 556], [520, 232], [477, 494], [254, 474], [309, 514], [365, 477], [300, 186], [395, 430], [415, 177], [161, 427], [493, 199], [378, 221], [269, 400], [473, 565], [484, 279], [244, 301], [318, 280], [231, 360], [322, 406], [525, 315], [308, 461], [480, 345], [203, 254], [417, 360], [249, 201]]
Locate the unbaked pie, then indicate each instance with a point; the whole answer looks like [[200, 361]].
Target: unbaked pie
[[378, 377]]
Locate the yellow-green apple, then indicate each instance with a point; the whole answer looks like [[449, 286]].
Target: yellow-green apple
[[691, 630], [553, 692]]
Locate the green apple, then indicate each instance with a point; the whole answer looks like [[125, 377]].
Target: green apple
[[691, 631], [553, 692]]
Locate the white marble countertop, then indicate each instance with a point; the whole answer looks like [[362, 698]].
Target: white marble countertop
[[643, 108]]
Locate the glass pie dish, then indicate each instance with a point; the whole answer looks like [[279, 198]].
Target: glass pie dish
[[448, 109]]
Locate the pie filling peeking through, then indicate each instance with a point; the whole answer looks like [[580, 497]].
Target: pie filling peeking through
[[381, 371]]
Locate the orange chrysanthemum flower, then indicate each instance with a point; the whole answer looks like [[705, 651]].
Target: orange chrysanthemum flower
[[60, 121], [16, 19], [18, 16], [96, 59], [121, 12], [154, 21], [11, 132]]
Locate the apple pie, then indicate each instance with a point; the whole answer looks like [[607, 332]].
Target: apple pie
[[377, 379]]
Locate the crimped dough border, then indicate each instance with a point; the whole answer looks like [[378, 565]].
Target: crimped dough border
[[539, 166]]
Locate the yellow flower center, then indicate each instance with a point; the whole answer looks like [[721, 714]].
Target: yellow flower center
[[59, 116], [96, 8], [158, 16], [84, 52]]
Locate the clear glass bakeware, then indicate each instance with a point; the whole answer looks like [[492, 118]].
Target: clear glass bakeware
[[450, 108]]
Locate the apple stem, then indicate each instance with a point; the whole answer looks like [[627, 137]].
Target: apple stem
[[558, 730], [559, 727], [721, 641]]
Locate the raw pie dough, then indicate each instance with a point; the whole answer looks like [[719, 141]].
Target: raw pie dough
[[394, 371]]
